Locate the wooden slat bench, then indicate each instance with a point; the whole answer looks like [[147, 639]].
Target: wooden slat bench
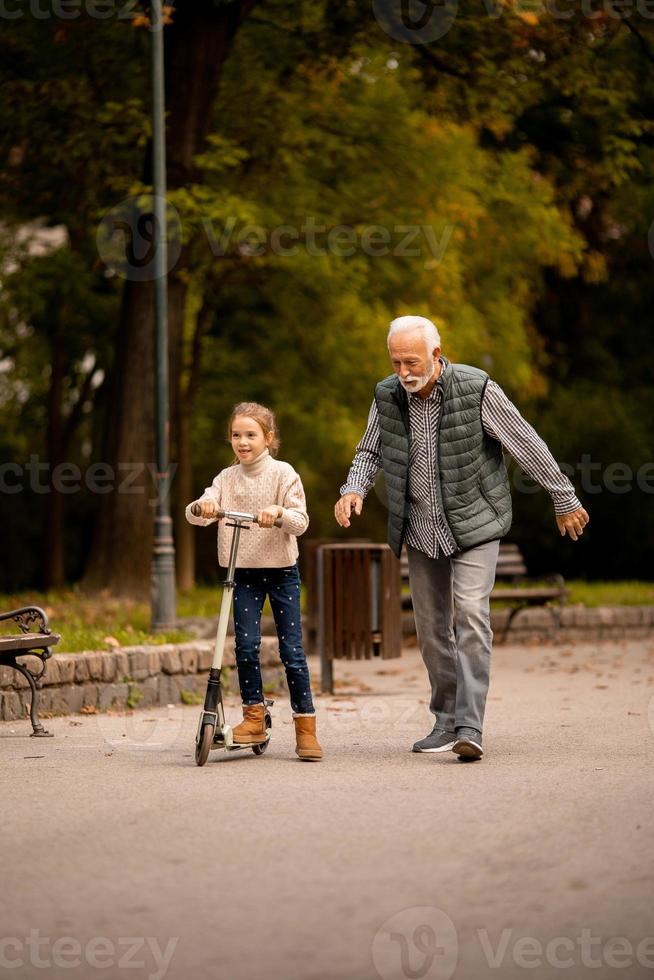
[[549, 591], [27, 643]]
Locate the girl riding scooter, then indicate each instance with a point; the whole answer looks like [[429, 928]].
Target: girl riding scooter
[[257, 483]]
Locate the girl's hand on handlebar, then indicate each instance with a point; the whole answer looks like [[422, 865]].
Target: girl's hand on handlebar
[[268, 516], [208, 508]]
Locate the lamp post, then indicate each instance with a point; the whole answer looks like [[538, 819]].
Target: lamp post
[[163, 603]]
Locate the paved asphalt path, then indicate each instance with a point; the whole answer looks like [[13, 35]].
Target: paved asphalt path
[[122, 859]]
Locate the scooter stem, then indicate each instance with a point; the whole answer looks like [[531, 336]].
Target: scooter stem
[[226, 602], [221, 632]]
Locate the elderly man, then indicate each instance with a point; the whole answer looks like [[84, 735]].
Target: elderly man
[[438, 430]]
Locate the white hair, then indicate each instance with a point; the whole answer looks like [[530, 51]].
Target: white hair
[[407, 324]]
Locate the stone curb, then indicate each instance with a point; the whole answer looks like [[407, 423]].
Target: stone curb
[[129, 677], [576, 623], [143, 676]]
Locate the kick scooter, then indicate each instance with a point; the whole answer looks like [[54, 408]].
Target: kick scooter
[[213, 732]]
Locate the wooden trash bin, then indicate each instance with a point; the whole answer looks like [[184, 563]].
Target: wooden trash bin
[[359, 604]]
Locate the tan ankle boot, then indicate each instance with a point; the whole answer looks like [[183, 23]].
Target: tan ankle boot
[[308, 747], [252, 730]]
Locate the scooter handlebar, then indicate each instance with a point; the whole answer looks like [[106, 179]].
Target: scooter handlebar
[[196, 510]]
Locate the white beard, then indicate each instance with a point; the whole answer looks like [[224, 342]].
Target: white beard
[[413, 383]]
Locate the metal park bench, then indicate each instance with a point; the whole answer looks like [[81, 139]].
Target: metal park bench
[[520, 591], [28, 643]]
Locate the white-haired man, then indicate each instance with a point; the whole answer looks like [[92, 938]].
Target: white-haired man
[[438, 430]]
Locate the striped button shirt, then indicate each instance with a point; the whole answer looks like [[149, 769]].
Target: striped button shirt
[[426, 528]]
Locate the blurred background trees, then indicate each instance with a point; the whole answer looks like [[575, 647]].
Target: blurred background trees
[[327, 178]]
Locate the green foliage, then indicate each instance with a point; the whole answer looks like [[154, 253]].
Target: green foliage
[[517, 148], [134, 696], [464, 235], [593, 594], [190, 697]]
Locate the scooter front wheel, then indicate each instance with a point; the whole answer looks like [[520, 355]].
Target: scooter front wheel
[[203, 744], [261, 748]]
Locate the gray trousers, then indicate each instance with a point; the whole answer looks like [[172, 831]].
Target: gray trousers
[[452, 613]]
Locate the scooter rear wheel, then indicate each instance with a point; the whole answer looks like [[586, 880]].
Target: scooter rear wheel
[[203, 745]]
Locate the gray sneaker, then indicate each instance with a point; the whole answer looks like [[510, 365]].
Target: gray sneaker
[[468, 744], [438, 740]]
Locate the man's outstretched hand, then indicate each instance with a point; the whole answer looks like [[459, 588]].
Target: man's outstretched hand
[[573, 523], [349, 502]]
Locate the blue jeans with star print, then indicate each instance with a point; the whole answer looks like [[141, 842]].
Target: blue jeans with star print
[[282, 586]]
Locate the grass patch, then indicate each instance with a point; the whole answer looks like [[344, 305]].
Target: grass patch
[[201, 601], [205, 601], [134, 696], [593, 594], [100, 622], [91, 622], [190, 697]]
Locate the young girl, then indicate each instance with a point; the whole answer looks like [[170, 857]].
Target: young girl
[[258, 484]]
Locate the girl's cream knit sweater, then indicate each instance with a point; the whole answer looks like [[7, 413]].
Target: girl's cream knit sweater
[[248, 488]]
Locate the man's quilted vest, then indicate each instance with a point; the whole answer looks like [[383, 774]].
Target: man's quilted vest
[[472, 486]]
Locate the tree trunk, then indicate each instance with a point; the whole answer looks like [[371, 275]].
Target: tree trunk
[[122, 545], [197, 45]]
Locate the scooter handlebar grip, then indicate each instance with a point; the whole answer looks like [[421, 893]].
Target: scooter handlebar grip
[[278, 522], [196, 510]]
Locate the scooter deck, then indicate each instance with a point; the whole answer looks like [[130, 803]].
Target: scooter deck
[[219, 743]]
